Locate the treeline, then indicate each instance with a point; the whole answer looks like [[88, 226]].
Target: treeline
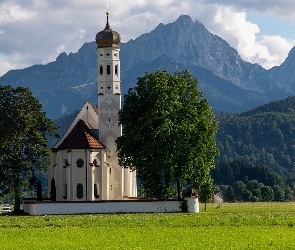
[[241, 181], [264, 135]]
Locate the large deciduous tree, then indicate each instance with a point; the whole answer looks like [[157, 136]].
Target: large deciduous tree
[[168, 133], [23, 130]]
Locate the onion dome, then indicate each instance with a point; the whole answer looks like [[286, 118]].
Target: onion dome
[[108, 37]]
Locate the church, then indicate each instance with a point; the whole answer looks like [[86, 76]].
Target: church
[[84, 164]]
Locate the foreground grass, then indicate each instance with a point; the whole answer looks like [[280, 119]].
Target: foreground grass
[[228, 226]]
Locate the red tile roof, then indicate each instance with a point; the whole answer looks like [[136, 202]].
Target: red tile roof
[[80, 138]]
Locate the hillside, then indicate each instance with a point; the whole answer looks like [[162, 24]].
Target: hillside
[[264, 135]]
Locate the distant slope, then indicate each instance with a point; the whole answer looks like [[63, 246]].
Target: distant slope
[[222, 94], [264, 135]]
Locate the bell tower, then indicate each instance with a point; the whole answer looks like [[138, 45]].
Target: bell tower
[[109, 104]]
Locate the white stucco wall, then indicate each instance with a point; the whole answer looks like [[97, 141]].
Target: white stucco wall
[[42, 208]]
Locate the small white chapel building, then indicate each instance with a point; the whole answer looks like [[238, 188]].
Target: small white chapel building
[[84, 163]]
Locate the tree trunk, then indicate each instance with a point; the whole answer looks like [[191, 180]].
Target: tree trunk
[[205, 206], [16, 187], [179, 190]]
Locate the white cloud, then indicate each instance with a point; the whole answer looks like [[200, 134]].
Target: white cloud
[[242, 35], [10, 12], [282, 8], [14, 61]]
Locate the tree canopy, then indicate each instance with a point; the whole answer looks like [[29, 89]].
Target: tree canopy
[[264, 135], [23, 130], [168, 133]]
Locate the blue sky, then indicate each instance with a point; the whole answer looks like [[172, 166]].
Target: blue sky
[[37, 31], [269, 25]]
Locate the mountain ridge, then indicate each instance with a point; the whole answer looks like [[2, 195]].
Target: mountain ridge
[[229, 82]]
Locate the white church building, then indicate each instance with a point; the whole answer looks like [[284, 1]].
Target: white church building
[[84, 168], [84, 163]]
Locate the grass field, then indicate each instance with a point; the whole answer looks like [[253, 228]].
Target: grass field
[[228, 226]]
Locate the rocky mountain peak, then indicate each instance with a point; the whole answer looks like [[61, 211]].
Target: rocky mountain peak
[[230, 83], [284, 75]]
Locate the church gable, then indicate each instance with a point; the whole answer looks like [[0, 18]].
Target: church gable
[[89, 114], [80, 137]]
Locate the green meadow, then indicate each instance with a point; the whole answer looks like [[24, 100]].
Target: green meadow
[[224, 226]]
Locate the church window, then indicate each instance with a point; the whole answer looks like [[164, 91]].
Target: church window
[[96, 191], [65, 190], [66, 163], [116, 87], [116, 69], [101, 54], [80, 163], [109, 69], [116, 54], [79, 191], [108, 54], [96, 162], [101, 69]]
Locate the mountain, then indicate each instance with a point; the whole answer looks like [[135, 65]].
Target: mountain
[[284, 75], [191, 43], [228, 82], [264, 135], [62, 86]]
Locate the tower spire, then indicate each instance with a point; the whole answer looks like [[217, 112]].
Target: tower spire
[[107, 25], [108, 37]]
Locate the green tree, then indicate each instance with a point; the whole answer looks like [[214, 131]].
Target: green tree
[[253, 198], [229, 195], [206, 192], [168, 133], [252, 185], [292, 186], [23, 130], [279, 193], [288, 193], [246, 195], [239, 188], [267, 193]]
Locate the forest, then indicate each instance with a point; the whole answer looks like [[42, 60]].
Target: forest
[[257, 153], [264, 135]]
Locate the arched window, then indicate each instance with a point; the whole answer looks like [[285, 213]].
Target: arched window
[[96, 191], [80, 163], [79, 191], [109, 69], [101, 69], [96, 162], [65, 190], [116, 69]]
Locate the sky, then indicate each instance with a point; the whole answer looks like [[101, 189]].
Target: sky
[[37, 31]]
